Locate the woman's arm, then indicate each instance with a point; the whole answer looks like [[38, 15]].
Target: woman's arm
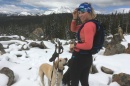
[[74, 27]]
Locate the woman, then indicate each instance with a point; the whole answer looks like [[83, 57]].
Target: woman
[[81, 62]]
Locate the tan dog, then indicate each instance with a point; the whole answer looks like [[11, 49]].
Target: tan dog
[[47, 69]]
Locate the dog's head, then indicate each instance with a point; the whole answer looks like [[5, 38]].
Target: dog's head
[[60, 63]]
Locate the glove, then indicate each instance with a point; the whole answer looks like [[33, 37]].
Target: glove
[[75, 54], [53, 57], [70, 61]]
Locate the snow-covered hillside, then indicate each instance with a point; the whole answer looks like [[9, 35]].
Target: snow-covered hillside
[[26, 69]]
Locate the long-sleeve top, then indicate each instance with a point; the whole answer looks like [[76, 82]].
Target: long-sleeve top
[[86, 35]]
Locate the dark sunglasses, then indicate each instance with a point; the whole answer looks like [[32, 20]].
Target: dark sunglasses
[[81, 10]]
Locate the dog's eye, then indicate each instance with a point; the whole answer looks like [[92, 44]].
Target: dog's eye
[[60, 60]]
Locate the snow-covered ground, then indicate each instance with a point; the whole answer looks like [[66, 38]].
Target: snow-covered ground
[[26, 67]]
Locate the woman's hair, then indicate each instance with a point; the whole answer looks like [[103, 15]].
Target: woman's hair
[[92, 13]]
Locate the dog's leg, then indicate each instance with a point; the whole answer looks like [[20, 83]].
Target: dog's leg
[[53, 82], [58, 82], [41, 74], [49, 82]]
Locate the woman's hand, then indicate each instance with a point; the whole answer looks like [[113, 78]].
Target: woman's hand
[[75, 14]]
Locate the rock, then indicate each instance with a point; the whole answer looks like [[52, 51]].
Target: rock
[[128, 49], [116, 39], [8, 38], [120, 32], [2, 51], [122, 79], [36, 34], [114, 49], [8, 72], [33, 44], [18, 55], [93, 69], [107, 70], [110, 50], [105, 43], [41, 45], [66, 43], [5, 39], [120, 48]]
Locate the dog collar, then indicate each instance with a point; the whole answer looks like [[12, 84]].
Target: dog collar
[[59, 70]]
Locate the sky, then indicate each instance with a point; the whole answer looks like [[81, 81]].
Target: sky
[[26, 69], [39, 6]]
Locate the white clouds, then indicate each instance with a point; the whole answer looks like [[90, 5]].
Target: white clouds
[[122, 10], [55, 4], [49, 3], [13, 8], [74, 3]]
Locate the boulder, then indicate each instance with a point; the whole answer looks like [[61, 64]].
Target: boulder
[[36, 34], [116, 39], [5, 39], [93, 69], [122, 79], [128, 49], [8, 72], [114, 49], [41, 45], [105, 43], [107, 70], [66, 43], [120, 32], [120, 48], [2, 51]]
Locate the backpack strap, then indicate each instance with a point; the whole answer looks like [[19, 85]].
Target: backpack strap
[[78, 33]]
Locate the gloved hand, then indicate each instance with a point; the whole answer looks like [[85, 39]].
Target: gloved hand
[[69, 62], [75, 54], [54, 56]]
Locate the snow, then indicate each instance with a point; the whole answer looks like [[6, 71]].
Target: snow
[[3, 80], [26, 67], [62, 9], [24, 13]]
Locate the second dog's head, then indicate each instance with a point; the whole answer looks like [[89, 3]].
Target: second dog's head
[[60, 63]]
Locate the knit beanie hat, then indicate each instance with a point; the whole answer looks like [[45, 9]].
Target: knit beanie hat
[[85, 7]]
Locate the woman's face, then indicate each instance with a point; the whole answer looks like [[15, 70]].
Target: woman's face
[[84, 16]]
